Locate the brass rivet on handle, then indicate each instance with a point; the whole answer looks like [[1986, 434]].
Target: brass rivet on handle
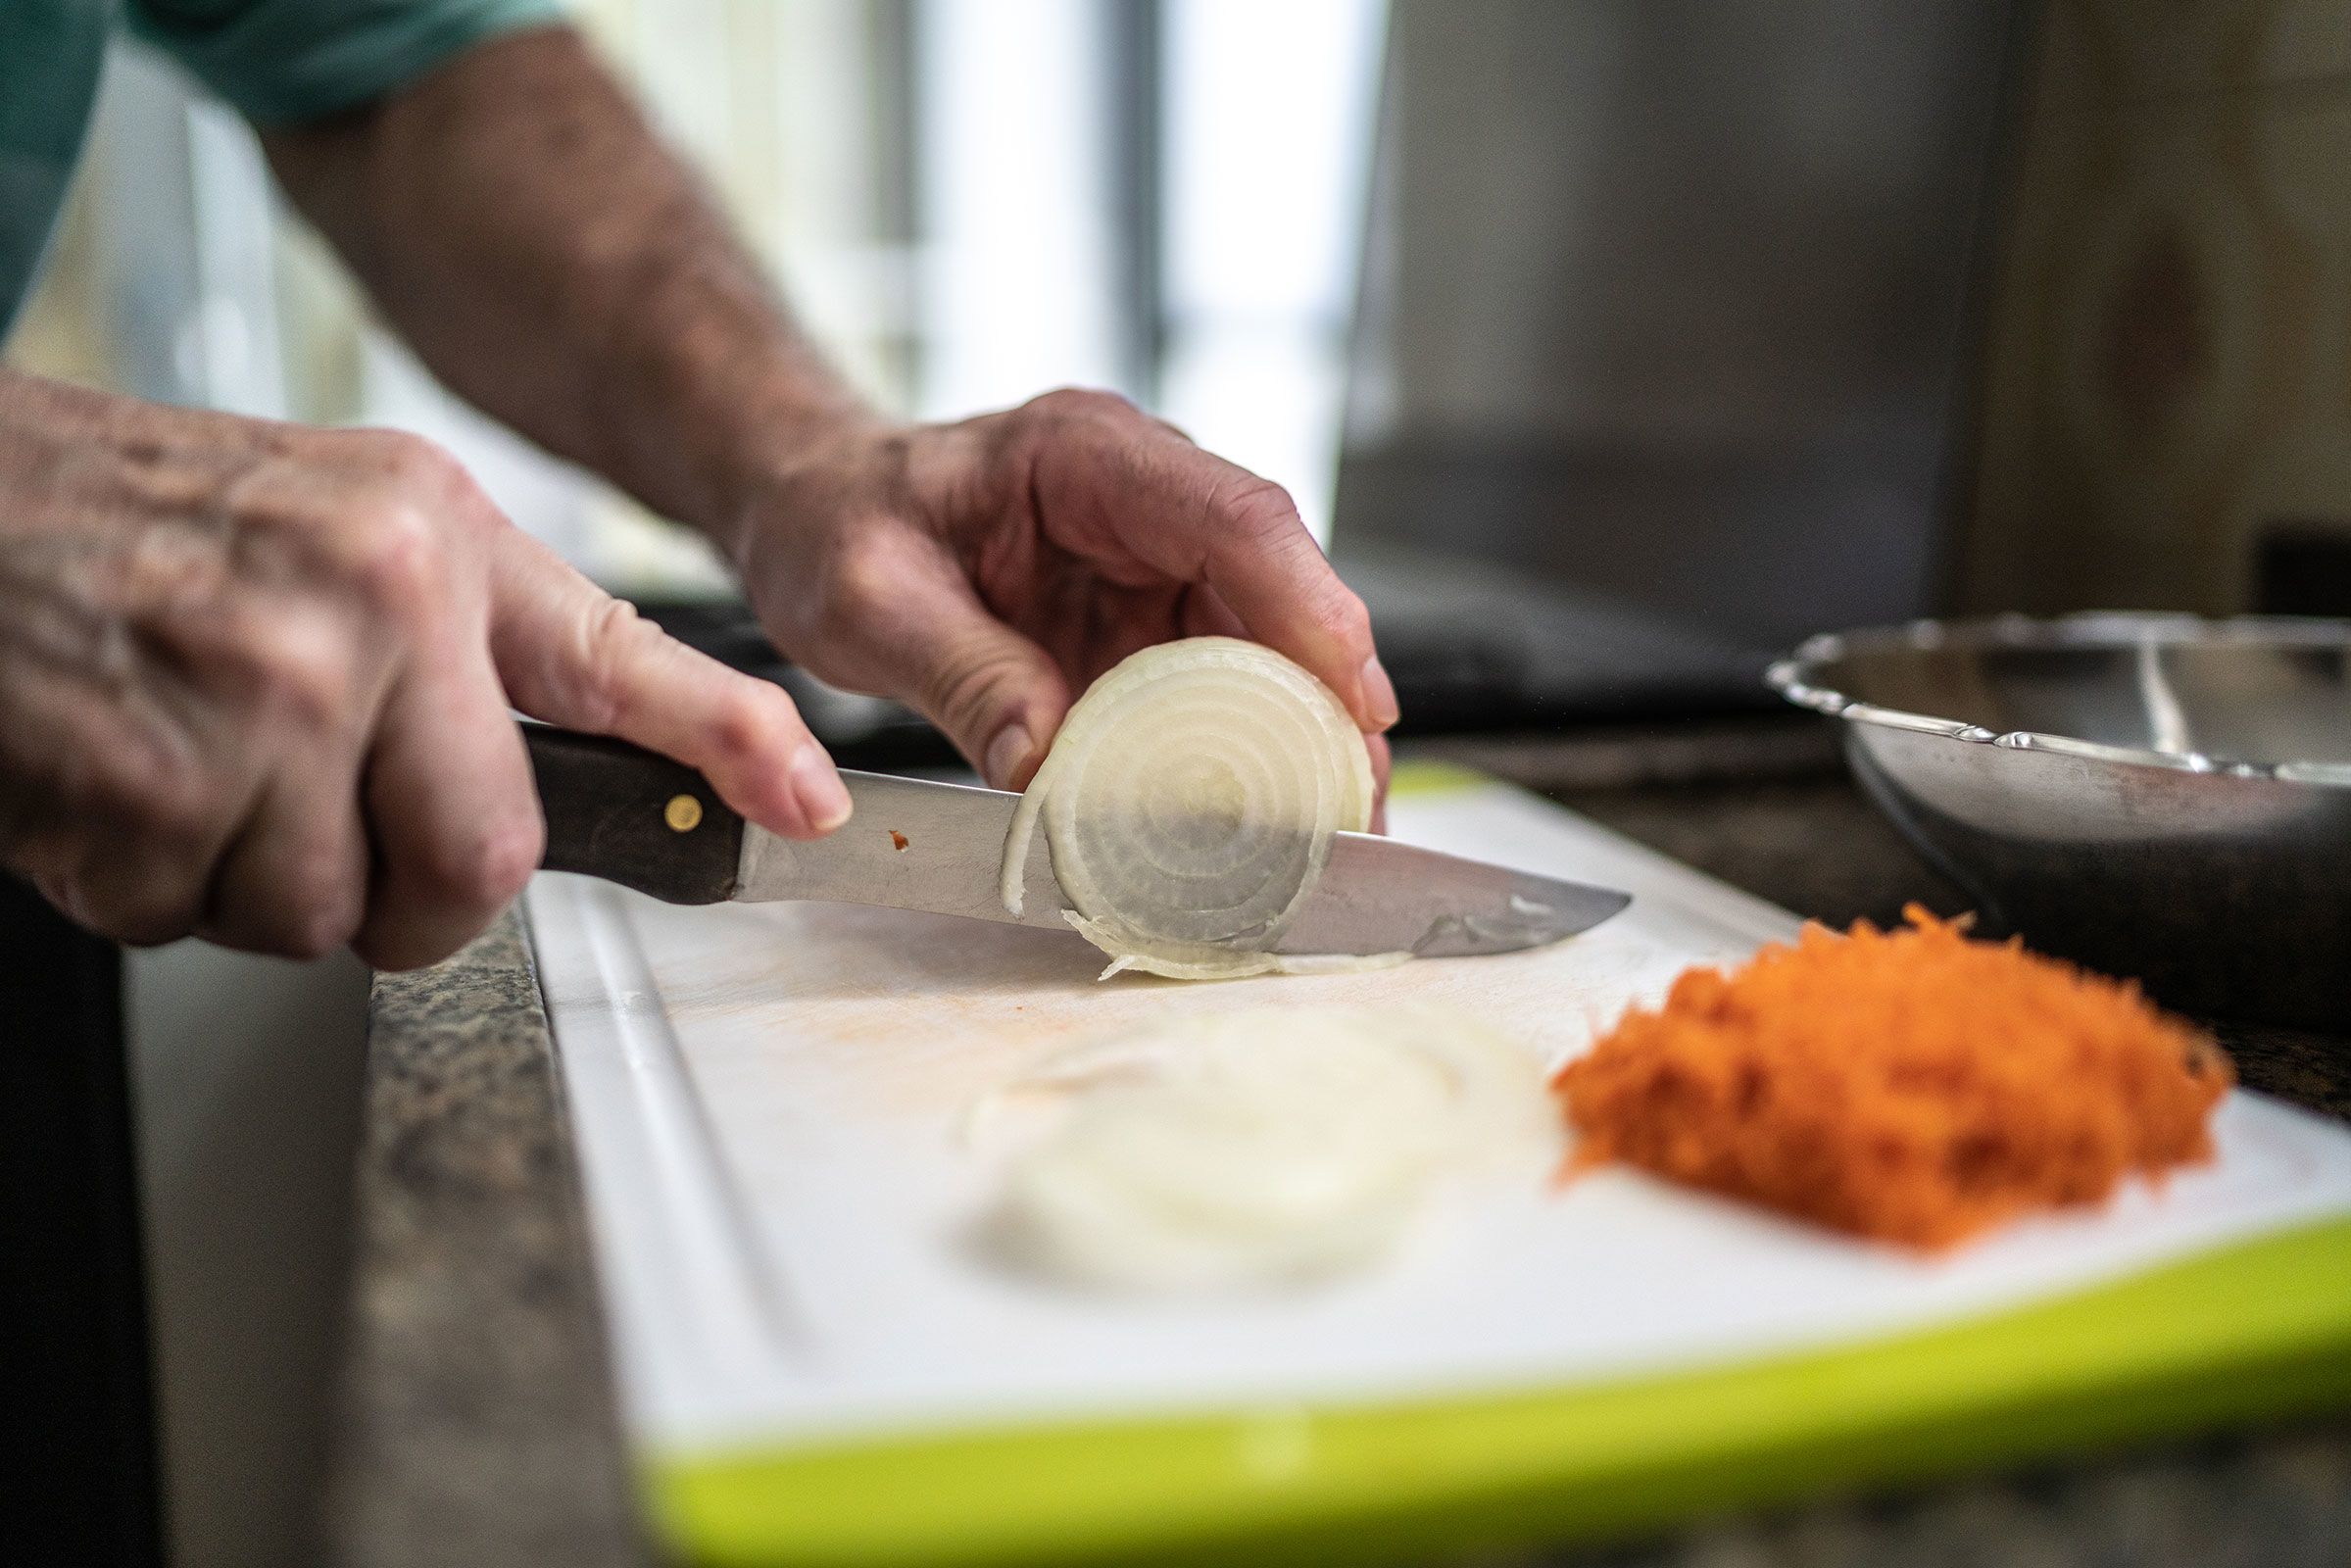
[[683, 813]]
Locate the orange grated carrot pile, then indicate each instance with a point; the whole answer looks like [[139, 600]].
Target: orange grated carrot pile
[[1913, 1086]]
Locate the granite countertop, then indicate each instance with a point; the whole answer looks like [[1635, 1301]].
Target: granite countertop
[[477, 1421]]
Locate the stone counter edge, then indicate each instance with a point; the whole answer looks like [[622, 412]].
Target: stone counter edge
[[476, 1419]]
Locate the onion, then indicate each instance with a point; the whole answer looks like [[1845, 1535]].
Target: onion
[[1188, 803], [1262, 1146]]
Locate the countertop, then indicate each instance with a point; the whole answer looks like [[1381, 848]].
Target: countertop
[[476, 1421]]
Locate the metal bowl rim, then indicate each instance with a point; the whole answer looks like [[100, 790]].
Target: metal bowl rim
[[1795, 678]]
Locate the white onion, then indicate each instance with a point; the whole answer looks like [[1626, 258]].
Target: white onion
[[1188, 803], [1252, 1147]]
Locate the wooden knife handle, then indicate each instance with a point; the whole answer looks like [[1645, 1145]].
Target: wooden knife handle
[[622, 813]]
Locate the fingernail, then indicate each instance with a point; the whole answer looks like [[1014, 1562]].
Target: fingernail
[[1006, 753], [823, 797], [1379, 693]]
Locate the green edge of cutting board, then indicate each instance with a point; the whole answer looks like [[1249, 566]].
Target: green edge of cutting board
[[1421, 778], [2258, 1329]]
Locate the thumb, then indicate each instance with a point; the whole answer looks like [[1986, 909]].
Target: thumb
[[994, 693]]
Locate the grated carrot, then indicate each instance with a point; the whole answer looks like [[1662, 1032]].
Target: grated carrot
[[1914, 1086]]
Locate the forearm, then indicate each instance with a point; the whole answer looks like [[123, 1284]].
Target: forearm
[[522, 226]]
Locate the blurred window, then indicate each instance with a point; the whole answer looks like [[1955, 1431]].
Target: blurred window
[[1268, 113], [968, 201]]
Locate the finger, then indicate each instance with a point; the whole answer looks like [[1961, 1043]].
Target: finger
[[122, 881], [996, 695], [294, 880], [1199, 518], [449, 798], [119, 827], [572, 654]]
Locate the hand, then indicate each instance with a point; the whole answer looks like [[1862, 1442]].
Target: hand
[[254, 683], [985, 571]]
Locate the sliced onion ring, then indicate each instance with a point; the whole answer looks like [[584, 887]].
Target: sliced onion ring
[[1256, 1147], [1188, 803]]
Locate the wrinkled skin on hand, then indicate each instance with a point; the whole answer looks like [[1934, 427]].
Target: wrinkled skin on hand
[[254, 683], [985, 571]]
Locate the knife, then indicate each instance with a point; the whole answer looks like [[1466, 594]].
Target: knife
[[624, 814]]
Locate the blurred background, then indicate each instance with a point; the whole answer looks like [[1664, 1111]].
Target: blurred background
[[969, 202], [1612, 345]]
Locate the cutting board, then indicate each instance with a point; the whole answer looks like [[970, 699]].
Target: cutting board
[[821, 1361]]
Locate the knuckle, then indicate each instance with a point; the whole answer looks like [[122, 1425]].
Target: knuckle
[[750, 719], [1082, 404], [856, 577], [1260, 508], [510, 854], [1341, 614], [159, 791], [486, 869], [300, 672], [412, 464], [400, 560], [610, 638], [959, 689], [143, 909], [481, 870], [323, 905], [955, 697]]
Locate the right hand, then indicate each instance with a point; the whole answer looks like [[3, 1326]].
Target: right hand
[[255, 682]]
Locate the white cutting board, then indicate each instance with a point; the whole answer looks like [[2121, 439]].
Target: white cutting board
[[767, 1102]]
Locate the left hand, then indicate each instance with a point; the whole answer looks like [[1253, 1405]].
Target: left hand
[[983, 571]]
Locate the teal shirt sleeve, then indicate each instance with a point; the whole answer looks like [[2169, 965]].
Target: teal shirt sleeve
[[283, 62]]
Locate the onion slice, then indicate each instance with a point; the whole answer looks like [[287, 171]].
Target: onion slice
[[1188, 803], [1261, 1146]]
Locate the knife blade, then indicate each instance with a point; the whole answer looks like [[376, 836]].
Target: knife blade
[[616, 811]]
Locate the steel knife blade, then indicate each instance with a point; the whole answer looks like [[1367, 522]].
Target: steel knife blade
[[621, 813]]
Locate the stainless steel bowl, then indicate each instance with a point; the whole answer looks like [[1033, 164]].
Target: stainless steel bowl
[[2154, 796]]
